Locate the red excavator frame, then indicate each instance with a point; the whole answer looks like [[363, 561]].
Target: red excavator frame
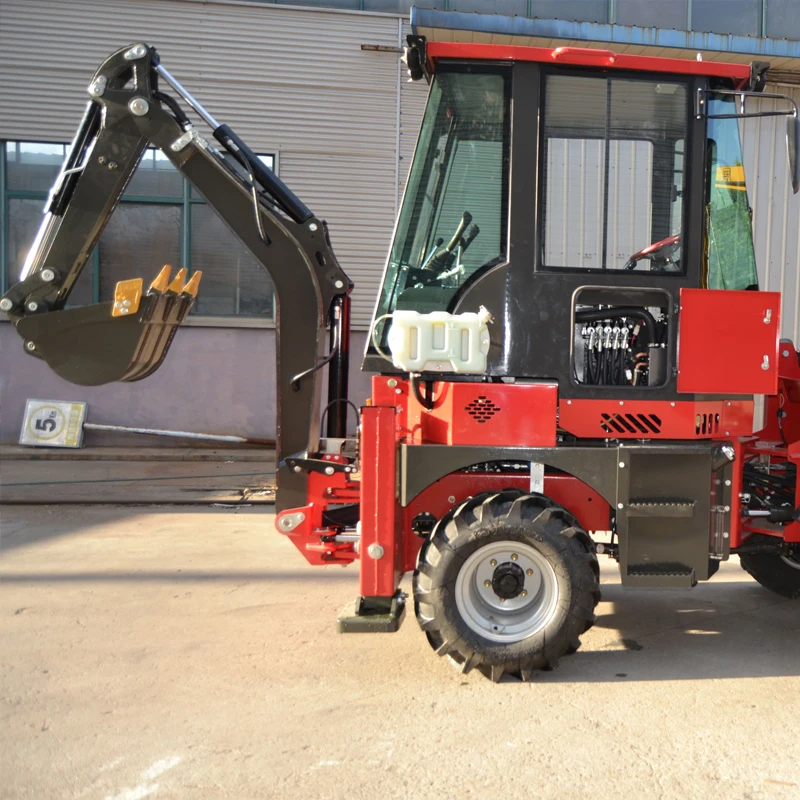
[[532, 415]]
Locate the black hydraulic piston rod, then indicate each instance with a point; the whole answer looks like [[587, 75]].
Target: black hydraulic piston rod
[[282, 194], [338, 369]]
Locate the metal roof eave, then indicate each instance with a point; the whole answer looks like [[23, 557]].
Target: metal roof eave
[[461, 26]]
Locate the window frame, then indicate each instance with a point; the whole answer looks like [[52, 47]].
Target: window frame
[[185, 202], [541, 190]]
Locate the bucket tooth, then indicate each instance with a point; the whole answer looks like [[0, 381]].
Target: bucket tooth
[[127, 297], [161, 282], [166, 314], [193, 286], [177, 284]]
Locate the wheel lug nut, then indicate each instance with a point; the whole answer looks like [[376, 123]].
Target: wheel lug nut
[[487, 584], [514, 556], [524, 593], [529, 572], [492, 563]]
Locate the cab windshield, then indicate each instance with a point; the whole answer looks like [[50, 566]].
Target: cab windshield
[[454, 218]]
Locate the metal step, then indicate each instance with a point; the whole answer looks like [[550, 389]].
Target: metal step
[[661, 575], [672, 509]]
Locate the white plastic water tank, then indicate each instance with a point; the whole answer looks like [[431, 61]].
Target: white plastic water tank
[[440, 342]]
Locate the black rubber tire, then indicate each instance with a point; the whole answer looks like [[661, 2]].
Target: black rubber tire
[[772, 572], [515, 516]]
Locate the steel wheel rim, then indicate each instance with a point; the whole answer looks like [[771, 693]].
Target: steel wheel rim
[[791, 561], [510, 620]]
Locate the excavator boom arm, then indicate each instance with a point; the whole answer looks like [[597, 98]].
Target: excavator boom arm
[[127, 338]]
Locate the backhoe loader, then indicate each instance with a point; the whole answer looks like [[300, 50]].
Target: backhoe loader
[[570, 353]]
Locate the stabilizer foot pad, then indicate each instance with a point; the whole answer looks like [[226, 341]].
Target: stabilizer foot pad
[[373, 615]]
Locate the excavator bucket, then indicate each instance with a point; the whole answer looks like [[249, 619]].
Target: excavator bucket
[[123, 340]]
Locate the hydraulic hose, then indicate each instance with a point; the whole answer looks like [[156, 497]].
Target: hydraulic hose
[[283, 195], [175, 108], [622, 311]]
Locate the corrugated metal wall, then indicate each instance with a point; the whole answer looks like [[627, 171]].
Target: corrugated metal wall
[[291, 81], [776, 211]]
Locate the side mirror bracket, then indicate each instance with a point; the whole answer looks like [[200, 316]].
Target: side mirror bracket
[[792, 150], [792, 115]]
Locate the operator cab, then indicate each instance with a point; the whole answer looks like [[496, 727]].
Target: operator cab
[[571, 189]]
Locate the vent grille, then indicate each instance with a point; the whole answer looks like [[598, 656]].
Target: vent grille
[[706, 424], [642, 425], [481, 409]]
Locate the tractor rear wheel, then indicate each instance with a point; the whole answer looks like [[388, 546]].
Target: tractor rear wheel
[[779, 574], [506, 583]]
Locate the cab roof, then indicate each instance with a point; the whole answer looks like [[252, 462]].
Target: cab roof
[[740, 74]]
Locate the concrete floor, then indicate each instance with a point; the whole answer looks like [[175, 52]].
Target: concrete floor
[[191, 653]]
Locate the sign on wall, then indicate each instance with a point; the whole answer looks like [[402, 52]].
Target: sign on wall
[[50, 423]]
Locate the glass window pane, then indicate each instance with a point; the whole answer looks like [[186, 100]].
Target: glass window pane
[[234, 283], [630, 166], [33, 166], [155, 177], [783, 19], [454, 216], [671, 15], [613, 173], [580, 10], [731, 260], [24, 218], [726, 16], [138, 240]]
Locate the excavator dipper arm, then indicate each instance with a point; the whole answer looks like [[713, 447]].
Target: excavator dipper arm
[[126, 339]]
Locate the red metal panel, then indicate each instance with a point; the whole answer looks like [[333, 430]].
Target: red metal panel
[[474, 413], [728, 342], [585, 56], [656, 419], [380, 510], [592, 511], [311, 536], [523, 415], [786, 403]]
